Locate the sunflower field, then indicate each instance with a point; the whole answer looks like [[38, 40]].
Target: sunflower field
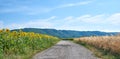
[[22, 45]]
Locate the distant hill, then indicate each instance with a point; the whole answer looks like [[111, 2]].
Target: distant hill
[[67, 33]]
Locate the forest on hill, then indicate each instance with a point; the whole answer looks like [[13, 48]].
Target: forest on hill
[[67, 33]]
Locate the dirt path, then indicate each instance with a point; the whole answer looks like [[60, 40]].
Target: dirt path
[[65, 50]]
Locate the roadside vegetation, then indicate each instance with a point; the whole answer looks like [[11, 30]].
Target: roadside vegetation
[[105, 47], [23, 45], [71, 39]]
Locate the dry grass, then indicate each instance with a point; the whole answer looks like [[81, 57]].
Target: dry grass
[[108, 44]]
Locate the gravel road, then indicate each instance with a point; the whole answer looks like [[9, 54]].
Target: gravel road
[[66, 50]]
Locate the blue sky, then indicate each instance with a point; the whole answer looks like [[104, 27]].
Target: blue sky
[[82, 15]]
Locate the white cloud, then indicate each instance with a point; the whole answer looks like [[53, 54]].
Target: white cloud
[[69, 18], [114, 19], [92, 19], [51, 18], [25, 10], [37, 10], [34, 11], [86, 19], [74, 4], [85, 2], [31, 25], [101, 22], [14, 9], [38, 23], [1, 24]]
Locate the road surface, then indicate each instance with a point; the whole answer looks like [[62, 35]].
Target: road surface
[[66, 50]]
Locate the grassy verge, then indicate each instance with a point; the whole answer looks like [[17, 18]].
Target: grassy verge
[[99, 52]]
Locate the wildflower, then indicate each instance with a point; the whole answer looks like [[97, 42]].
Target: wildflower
[[1, 31], [7, 30], [14, 33]]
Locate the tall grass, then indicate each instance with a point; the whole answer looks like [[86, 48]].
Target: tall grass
[[107, 44], [22, 45]]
